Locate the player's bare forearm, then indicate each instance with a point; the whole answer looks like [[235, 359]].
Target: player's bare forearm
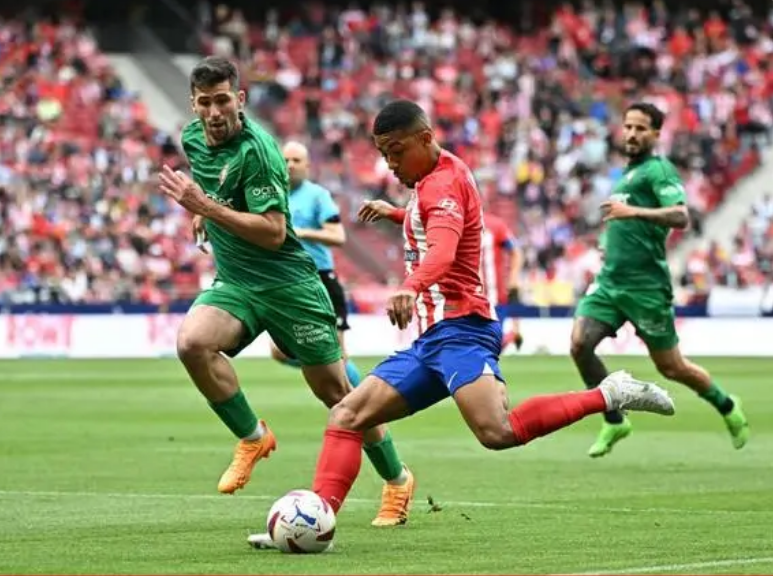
[[267, 230], [330, 235], [670, 216]]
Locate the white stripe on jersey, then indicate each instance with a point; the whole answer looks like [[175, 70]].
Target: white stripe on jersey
[[489, 265], [488, 270], [432, 301]]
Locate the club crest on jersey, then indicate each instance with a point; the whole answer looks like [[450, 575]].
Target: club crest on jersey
[[411, 255]]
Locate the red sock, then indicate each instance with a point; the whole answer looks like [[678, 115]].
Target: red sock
[[541, 415], [338, 465]]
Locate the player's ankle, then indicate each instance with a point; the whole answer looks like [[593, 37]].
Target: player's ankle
[[259, 432], [401, 479]]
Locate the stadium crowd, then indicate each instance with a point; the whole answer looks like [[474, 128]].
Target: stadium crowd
[[536, 117]]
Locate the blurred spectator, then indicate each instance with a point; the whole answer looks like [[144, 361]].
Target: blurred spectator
[[536, 117], [79, 220], [748, 262]]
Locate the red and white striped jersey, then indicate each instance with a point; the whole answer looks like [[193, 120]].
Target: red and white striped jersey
[[448, 198], [498, 242]]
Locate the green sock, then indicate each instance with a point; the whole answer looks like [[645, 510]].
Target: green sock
[[383, 456], [237, 415], [718, 398]]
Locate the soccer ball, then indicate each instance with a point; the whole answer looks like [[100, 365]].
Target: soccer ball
[[301, 522]]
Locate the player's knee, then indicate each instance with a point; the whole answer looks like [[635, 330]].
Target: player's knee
[[192, 345], [672, 370], [331, 396], [581, 347], [494, 436], [328, 383], [343, 416]]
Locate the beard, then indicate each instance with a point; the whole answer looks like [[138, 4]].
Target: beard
[[223, 130], [637, 150], [220, 132]]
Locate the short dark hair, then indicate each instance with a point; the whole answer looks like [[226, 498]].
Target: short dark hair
[[399, 115], [655, 114], [212, 71]]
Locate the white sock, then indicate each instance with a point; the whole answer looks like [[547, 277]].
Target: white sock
[[258, 434], [608, 398], [400, 480]]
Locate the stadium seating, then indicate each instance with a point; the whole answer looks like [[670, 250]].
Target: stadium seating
[[534, 116], [748, 262]]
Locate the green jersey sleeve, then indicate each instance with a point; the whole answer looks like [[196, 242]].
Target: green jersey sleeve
[[667, 185], [265, 184]]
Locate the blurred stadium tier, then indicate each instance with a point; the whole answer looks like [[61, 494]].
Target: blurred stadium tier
[[528, 93]]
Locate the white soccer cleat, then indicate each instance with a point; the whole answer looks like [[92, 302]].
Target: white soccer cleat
[[264, 542], [261, 541], [624, 392]]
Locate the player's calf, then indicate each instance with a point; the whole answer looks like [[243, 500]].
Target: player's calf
[[484, 406], [328, 382], [672, 365], [486, 415], [587, 334]]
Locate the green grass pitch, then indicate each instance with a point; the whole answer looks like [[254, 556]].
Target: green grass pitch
[[112, 466]]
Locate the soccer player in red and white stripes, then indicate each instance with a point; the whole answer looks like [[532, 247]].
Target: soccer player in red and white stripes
[[457, 352]]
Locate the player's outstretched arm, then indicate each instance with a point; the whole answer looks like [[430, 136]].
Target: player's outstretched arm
[[375, 210], [331, 234], [330, 231]]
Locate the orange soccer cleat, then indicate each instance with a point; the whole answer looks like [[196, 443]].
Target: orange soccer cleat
[[396, 502], [246, 455]]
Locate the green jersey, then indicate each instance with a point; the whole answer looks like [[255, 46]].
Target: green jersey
[[635, 249], [247, 174]]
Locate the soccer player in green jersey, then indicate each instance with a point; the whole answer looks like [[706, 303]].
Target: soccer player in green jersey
[[265, 280], [634, 284]]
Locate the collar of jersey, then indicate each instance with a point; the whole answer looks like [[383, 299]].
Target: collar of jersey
[[639, 161]]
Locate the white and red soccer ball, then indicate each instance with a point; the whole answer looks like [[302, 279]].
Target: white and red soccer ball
[[301, 522]]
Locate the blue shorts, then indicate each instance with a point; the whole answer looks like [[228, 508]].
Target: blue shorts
[[449, 355]]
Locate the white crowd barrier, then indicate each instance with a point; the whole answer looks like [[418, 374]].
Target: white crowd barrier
[[153, 336]]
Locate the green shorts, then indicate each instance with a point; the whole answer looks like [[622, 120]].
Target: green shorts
[[299, 318], [650, 311]]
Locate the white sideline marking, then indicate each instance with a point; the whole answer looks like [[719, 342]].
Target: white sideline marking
[[264, 498], [666, 568], [459, 503], [94, 376]]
